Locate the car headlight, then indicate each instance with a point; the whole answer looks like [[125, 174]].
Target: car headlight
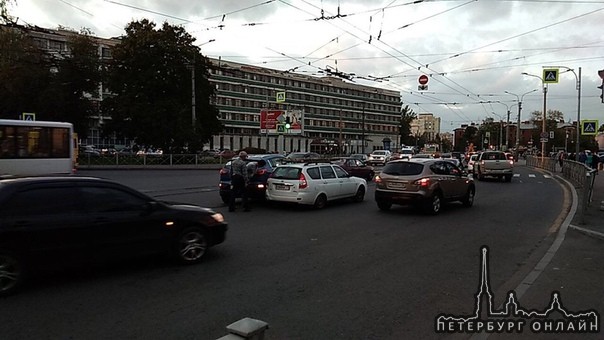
[[218, 217]]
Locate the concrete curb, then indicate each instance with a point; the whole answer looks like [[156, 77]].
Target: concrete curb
[[587, 231]]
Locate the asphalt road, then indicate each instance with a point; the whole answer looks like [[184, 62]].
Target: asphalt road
[[348, 271]]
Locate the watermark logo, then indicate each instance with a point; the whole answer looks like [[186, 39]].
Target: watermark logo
[[512, 318]]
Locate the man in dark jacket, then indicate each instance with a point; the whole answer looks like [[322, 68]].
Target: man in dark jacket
[[239, 181]]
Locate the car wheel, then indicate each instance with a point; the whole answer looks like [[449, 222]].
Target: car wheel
[[320, 202], [434, 204], [11, 274], [468, 199], [360, 195], [384, 205], [191, 245], [508, 178]]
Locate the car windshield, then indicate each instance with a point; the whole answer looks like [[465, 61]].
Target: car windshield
[[379, 153], [403, 169], [406, 152], [286, 172]]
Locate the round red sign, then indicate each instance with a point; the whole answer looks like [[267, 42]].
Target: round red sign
[[423, 79]]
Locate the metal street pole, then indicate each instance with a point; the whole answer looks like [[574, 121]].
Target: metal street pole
[[543, 129], [519, 99]]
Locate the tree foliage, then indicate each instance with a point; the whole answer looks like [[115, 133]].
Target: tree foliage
[[407, 117], [151, 77], [55, 86]]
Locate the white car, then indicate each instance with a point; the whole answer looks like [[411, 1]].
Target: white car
[[314, 184], [379, 157]]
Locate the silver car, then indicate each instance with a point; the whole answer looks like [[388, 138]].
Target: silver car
[[314, 184]]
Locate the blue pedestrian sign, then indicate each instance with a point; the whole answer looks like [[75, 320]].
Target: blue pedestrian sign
[[589, 127], [28, 116]]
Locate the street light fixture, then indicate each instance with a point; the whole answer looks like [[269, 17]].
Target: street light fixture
[[519, 99], [543, 130]]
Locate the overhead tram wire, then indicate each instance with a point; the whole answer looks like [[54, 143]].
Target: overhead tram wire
[[84, 11], [386, 52], [518, 35]]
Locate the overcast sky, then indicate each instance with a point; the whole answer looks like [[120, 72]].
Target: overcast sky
[[473, 51]]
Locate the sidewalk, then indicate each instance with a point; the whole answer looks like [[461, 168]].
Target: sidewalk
[[592, 221]]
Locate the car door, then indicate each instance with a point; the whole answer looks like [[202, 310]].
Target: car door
[[330, 184], [348, 186], [458, 182], [124, 223], [444, 178], [46, 223]]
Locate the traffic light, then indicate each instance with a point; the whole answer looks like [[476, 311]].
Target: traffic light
[[288, 122], [601, 87]]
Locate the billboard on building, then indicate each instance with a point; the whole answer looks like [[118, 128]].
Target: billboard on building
[[273, 122]]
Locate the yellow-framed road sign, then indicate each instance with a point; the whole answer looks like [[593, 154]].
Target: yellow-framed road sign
[[551, 75]]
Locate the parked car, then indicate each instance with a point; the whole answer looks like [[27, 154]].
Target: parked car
[[355, 167], [471, 162], [360, 156], [426, 183], [314, 184], [257, 184], [225, 154], [52, 221], [379, 157], [301, 157]]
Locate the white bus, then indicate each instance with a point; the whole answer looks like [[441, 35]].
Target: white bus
[[36, 147]]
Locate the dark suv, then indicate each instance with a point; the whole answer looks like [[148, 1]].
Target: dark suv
[[424, 182], [257, 184], [53, 221]]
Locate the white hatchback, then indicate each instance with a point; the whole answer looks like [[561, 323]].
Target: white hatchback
[[314, 184]]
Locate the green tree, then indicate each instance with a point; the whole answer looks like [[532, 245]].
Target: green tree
[[150, 75], [24, 73], [5, 17], [56, 87], [470, 136], [407, 117], [75, 78]]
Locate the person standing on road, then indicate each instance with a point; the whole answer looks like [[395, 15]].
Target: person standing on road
[[239, 181]]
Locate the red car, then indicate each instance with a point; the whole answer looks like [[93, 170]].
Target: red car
[[355, 167]]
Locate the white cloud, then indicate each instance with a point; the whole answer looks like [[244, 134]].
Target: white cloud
[[495, 42]]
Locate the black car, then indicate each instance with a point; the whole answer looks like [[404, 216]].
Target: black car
[[48, 221]]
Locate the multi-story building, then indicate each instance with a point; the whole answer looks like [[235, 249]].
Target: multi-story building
[[335, 116], [426, 123]]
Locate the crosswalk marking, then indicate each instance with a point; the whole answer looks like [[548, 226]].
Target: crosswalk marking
[[547, 176], [531, 175], [516, 175]]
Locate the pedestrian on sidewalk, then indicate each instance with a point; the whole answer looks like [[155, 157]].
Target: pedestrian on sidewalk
[[561, 157]]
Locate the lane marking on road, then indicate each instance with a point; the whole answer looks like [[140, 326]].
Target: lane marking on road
[[547, 176], [516, 175], [532, 175]]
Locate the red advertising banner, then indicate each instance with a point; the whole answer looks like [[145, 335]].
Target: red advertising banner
[[273, 121]]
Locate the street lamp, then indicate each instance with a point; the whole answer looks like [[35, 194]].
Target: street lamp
[[507, 124], [578, 86], [519, 99], [543, 130]]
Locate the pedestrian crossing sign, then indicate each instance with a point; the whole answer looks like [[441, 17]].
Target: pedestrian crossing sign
[[550, 75], [589, 127], [28, 116], [280, 97]]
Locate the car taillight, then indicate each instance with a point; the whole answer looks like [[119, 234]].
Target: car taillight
[[261, 172], [512, 162], [424, 182], [224, 171], [377, 179], [303, 183]]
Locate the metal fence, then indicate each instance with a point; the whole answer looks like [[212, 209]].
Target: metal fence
[[142, 161]]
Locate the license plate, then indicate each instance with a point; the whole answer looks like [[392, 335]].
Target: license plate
[[396, 185], [281, 187]]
